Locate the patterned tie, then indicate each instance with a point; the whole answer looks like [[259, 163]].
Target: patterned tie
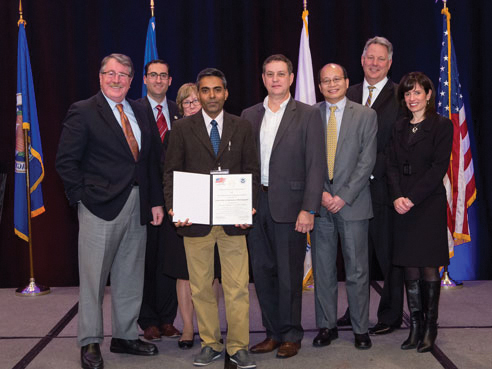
[[331, 141], [369, 98], [127, 130], [161, 122], [215, 137]]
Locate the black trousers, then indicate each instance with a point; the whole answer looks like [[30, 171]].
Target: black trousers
[[390, 308], [160, 302], [277, 254]]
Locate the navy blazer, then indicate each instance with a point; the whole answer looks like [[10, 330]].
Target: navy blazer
[[97, 166]]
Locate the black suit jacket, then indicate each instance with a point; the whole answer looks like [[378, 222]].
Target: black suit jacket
[[173, 115], [297, 164], [190, 150], [96, 164], [389, 111]]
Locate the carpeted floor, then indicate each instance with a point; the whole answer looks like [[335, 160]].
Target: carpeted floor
[[39, 333]]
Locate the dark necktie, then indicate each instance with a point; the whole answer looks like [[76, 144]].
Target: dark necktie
[[161, 122], [127, 130], [215, 137]]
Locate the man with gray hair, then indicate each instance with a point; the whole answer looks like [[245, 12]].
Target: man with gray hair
[[378, 92], [109, 165]]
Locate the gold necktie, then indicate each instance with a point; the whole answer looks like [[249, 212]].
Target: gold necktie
[[331, 141], [127, 130], [369, 98]]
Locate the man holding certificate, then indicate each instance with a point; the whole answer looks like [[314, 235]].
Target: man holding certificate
[[207, 142]]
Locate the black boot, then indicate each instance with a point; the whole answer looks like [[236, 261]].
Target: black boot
[[430, 294], [415, 309]]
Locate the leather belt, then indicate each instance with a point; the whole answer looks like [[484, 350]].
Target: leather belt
[[264, 188]]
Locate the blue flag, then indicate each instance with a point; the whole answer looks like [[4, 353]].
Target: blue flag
[[27, 117], [150, 50]]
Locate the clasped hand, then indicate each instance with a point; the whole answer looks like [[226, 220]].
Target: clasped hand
[[332, 203]]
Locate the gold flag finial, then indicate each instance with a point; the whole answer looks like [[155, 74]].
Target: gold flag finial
[[305, 4], [21, 20], [152, 7]]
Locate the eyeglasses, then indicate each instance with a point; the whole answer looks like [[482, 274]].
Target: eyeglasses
[[154, 75], [113, 74], [335, 81], [187, 104]]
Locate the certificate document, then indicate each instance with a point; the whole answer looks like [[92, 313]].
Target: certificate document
[[232, 201], [213, 199]]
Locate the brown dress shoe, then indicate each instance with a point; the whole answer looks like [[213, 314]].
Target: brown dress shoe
[[288, 349], [169, 330], [268, 345], [152, 333]]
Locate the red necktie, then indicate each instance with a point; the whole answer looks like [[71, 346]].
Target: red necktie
[[161, 122], [127, 130]]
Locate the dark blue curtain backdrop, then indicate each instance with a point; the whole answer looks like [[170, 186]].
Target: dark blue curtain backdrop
[[68, 39]]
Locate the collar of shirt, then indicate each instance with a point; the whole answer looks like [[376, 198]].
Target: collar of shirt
[[127, 108], [338, 112], [165, 109], [268, 132], [219, 119], [375, 93], [282, 106]]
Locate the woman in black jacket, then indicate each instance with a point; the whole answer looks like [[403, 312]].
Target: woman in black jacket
[[418, 159]]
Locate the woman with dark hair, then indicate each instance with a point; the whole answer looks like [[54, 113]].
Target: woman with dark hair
[[418, 159]]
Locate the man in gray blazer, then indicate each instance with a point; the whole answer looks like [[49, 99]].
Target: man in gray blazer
[[289, 136], [346, 208]]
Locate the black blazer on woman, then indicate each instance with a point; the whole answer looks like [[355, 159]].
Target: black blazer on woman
[[415, 168]]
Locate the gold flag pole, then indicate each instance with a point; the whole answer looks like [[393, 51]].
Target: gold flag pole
[[31, 289], [447, 282], [152, 7]]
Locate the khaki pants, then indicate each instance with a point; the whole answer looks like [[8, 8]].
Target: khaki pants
[[233, 255]]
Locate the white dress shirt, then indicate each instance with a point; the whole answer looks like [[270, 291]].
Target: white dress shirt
[[375, 93], [268, 132], [219, 119], [165, 110]]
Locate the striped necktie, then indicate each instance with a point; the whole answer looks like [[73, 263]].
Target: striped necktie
[[127, 130], [369, 98], [331, 141], [215, 137], [161, 122]]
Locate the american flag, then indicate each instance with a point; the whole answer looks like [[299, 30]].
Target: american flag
[[459, 179]]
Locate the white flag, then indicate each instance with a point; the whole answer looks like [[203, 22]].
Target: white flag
[[305, 91]]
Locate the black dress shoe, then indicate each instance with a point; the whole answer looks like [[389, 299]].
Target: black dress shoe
[[133, 347], [186, 344], [344, 321], [362, 341], [381, 328], [90, 356], [325, 336]]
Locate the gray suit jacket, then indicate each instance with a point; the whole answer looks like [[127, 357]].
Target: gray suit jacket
[[354, 160], [297, 163]]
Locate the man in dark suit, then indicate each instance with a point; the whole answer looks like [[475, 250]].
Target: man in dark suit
[[290, 145], [379, 92], [108, 163], [206, 141], [160, 303], [346, 208]]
